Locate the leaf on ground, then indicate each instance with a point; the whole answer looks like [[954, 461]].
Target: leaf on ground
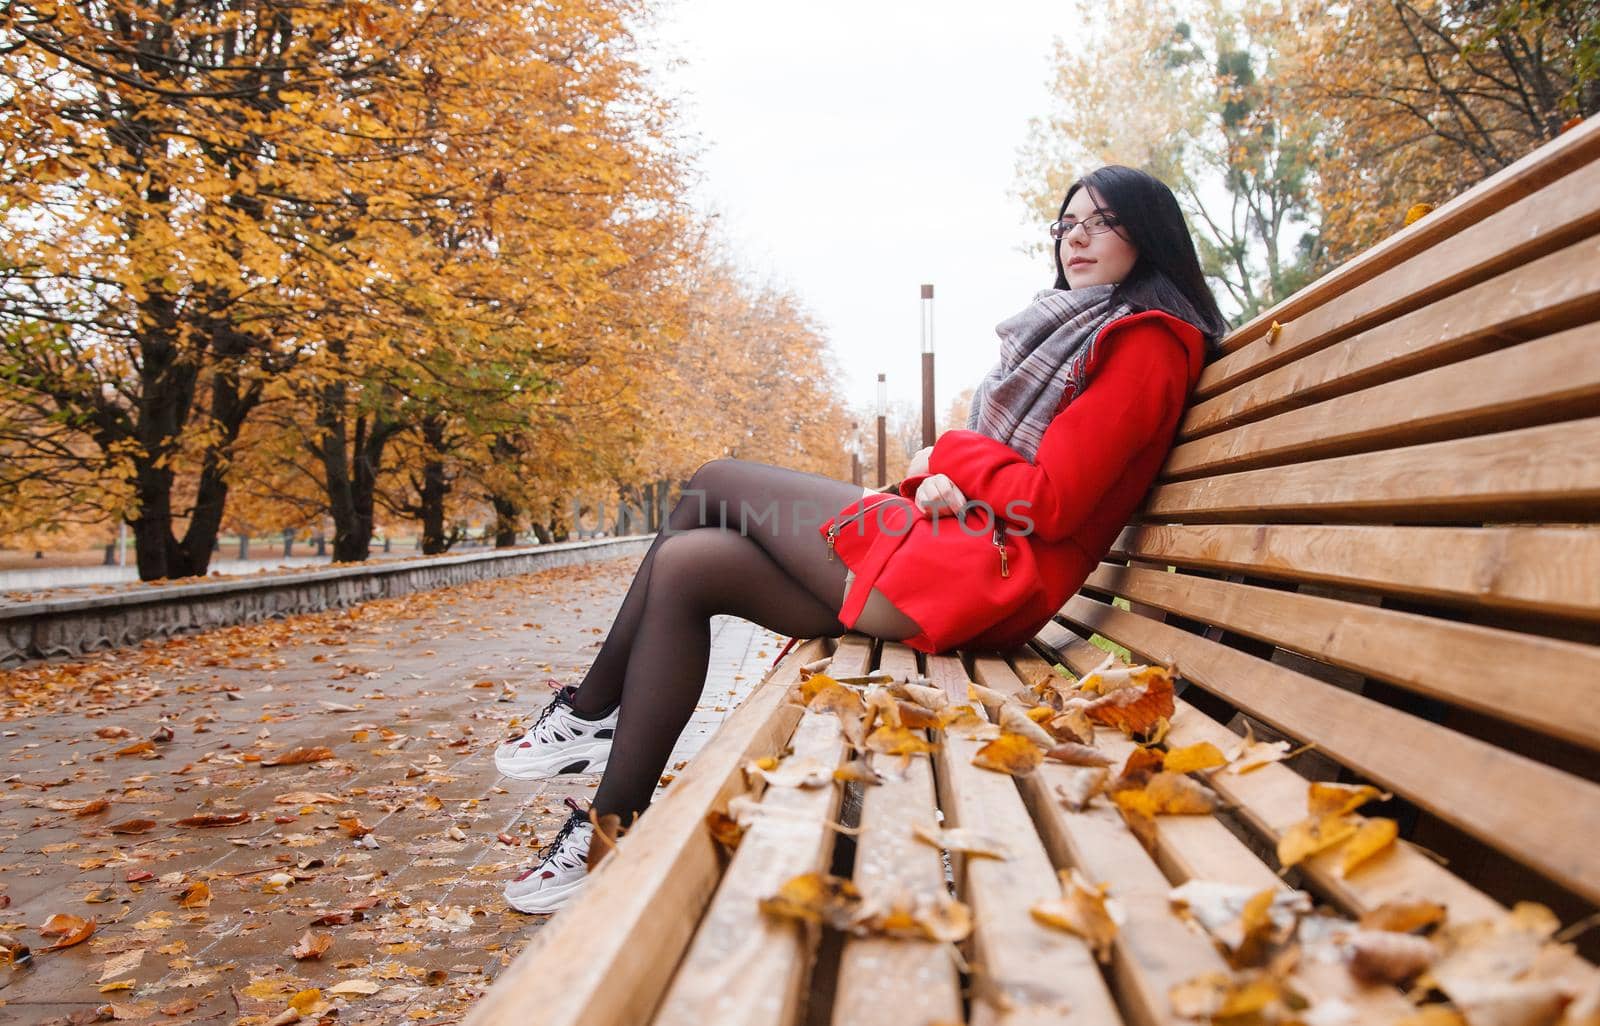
[[816, 898], [299, 756], [78, 807], [1009, 753], [132, 826], [71, 929], [309, 798], [196, 895], [1084, 910], [957, 839], [363, 988], [137, 748], [311, 945], [215, 819]]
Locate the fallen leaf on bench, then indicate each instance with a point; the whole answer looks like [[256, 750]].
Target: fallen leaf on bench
[[1015, 719], [835, 698], [1193, 758], [1323, 799], [963, 721], [987, 696], [1403, 916], [898, 741], [1310, 836], [1378, 956], [1009, 753], [942, 919], [1249, 925], [1136, 710], [816, 898], [929, 698], [1090, 681], [1071, 725], [1373, 836], [1141, 765], [1220, 996], [1084, 910], [1107, 677], [814, 685], [957, 839], [1251, 754], [804, 772], [1075, 754], [1081, 785], [915, 717], [725, 830], [857, 771], [1166, 794]]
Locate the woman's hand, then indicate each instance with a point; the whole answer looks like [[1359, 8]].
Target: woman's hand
[[938, 494], [919, 462]]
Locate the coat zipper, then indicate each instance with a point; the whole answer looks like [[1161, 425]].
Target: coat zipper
[[833, 532], [1000, 544]]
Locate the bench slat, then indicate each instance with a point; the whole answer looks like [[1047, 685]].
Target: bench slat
[[1531, 569], [1154, 950], [1547, 472], [1025, 973], [744, 966], [1273, 798], [1552, 294], [652, 891], [1482, 789], [1202, 848], [1556, 216], [884, 979], [1557, 158], [1558, 689], [1549, 379]]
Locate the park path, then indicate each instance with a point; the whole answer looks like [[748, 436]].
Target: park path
[[410, 695]]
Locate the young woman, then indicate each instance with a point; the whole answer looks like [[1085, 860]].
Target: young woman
[[992, 530]]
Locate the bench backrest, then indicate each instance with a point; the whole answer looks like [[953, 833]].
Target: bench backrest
[[1377, 531]]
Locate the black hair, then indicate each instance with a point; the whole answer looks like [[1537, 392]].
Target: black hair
[[1166, 275]]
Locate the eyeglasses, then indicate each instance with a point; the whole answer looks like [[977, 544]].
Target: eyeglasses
[[1094, 224]]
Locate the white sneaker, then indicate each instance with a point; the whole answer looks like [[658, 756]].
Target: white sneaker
[[560, 741], [560, 872]]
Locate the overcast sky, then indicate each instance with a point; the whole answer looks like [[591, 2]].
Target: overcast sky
[[856, 150]]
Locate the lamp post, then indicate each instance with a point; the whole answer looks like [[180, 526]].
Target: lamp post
[[855, 453], [883, 430], [927, 366]]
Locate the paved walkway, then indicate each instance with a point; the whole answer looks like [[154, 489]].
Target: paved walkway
[[196, 923]]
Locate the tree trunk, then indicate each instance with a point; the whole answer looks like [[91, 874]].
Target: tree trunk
[[244, 546], [505, 521], [433, 489], [288, 542]]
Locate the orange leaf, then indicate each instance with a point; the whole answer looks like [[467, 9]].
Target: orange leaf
[[1135, 710], [71, 929], [311, 945], [1009, 753], [299, 756]]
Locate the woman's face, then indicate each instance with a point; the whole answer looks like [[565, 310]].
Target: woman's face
[[1101, 259]]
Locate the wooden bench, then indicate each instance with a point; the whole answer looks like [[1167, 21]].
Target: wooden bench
[[1376, 536]]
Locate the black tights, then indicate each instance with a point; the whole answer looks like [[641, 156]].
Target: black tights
[[775, 571]]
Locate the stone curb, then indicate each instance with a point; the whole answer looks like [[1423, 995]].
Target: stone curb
[[75, 625]]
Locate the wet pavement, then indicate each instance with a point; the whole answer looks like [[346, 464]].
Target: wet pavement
[[393, 844]]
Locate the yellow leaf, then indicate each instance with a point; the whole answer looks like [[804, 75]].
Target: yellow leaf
[[1312, 835], [1191, 758], [1338, 799], [1373, 836], [1082, 909], [1009, 753], [816, 898]]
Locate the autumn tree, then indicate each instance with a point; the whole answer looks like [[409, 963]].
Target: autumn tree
[[1188, 91], [1419, 99]]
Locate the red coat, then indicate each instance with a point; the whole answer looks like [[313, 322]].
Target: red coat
[[1098, 458]]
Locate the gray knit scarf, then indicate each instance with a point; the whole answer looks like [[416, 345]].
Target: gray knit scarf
[[1044, 351]]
